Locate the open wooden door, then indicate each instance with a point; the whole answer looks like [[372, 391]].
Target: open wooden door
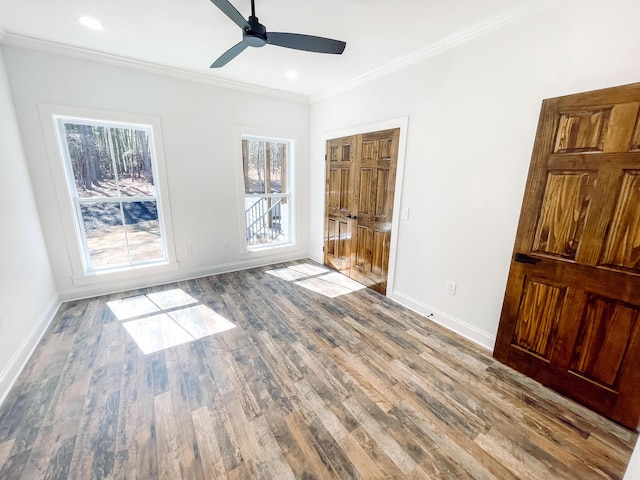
[[361, 175], [570, 317]]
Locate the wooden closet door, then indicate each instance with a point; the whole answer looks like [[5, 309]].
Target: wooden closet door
[[570, 317], [340, 159], [374, 192], [361, 174]]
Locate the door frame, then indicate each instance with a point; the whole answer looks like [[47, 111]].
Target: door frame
[[402, 123]]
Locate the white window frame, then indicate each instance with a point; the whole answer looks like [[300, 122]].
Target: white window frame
[[52, 119], [290, 140]]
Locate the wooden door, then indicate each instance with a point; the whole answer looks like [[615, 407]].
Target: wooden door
[[374, 191], [570, 317], [361, 174], [341, 154]]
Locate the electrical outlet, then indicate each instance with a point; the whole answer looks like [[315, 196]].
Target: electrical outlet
[[188, 250], [451, 288], [224, 245]]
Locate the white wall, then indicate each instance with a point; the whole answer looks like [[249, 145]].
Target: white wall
[[473, 112], [27, 290], [199, 122], [633, 469]]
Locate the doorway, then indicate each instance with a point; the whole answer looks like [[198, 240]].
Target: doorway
[[360, 186]]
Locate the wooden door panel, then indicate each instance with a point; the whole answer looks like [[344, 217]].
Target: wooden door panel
[[582, 131], [380, 246], [538, 317], [564, 209], [635, 143], [622, 247], [603, 340], [363, 251], [381, 208], [366, 192], [570, 317], [339, 190], [372, 257]]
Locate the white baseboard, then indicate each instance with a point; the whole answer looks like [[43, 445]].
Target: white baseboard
[[17, 362], [458, 326], [110, 287]]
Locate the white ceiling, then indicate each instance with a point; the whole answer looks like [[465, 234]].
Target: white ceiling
[[189, 34]]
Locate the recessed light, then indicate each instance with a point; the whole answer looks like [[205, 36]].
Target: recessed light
[[292, 75], [91, 23]]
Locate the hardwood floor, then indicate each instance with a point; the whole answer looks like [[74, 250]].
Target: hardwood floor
[[307, 385]]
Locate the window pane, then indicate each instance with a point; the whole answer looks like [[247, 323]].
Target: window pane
[[108, 162], [254, 164], [267, 221], [275, 166], [132, 156], [143, 231], [90, 160], [104, 233]]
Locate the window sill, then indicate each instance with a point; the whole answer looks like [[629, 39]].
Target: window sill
[[124, 273], [269, 250]]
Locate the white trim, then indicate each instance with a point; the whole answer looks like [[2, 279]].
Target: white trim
[[448, 42], [31, 43], [125, 273], [114, 287], [10, 373], [292, 140], [402, 123], [633, 469], [456, 325], [57, 161]]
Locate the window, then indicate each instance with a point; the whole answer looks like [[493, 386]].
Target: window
[[110, 168], [267, 213]]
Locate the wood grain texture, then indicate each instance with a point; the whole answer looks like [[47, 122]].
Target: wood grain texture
[[579, 232], [305, 387], [563, 212], [622, 248], [359, 210]]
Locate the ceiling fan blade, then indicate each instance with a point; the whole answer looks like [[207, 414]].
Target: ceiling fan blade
[[308, 43], [229, 55], [231, 12]]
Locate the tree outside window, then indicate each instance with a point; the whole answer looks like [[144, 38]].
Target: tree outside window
[[110, 170]]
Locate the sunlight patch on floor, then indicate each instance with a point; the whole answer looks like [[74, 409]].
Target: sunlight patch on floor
[[322, 280], [161, 320]]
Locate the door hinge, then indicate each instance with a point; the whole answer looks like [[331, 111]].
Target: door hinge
[[325, 158], [322, 249]]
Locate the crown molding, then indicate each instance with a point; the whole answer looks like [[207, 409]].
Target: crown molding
[[448, 42], [46, 46]]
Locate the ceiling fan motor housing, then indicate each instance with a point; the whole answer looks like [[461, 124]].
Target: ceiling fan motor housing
[[256, 34]]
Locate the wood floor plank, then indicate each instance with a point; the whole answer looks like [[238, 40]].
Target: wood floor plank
[[304, 386], [169, 451], [5, 450], [212, 464]]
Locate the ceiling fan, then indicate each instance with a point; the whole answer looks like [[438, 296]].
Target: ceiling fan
[[254, 34]]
